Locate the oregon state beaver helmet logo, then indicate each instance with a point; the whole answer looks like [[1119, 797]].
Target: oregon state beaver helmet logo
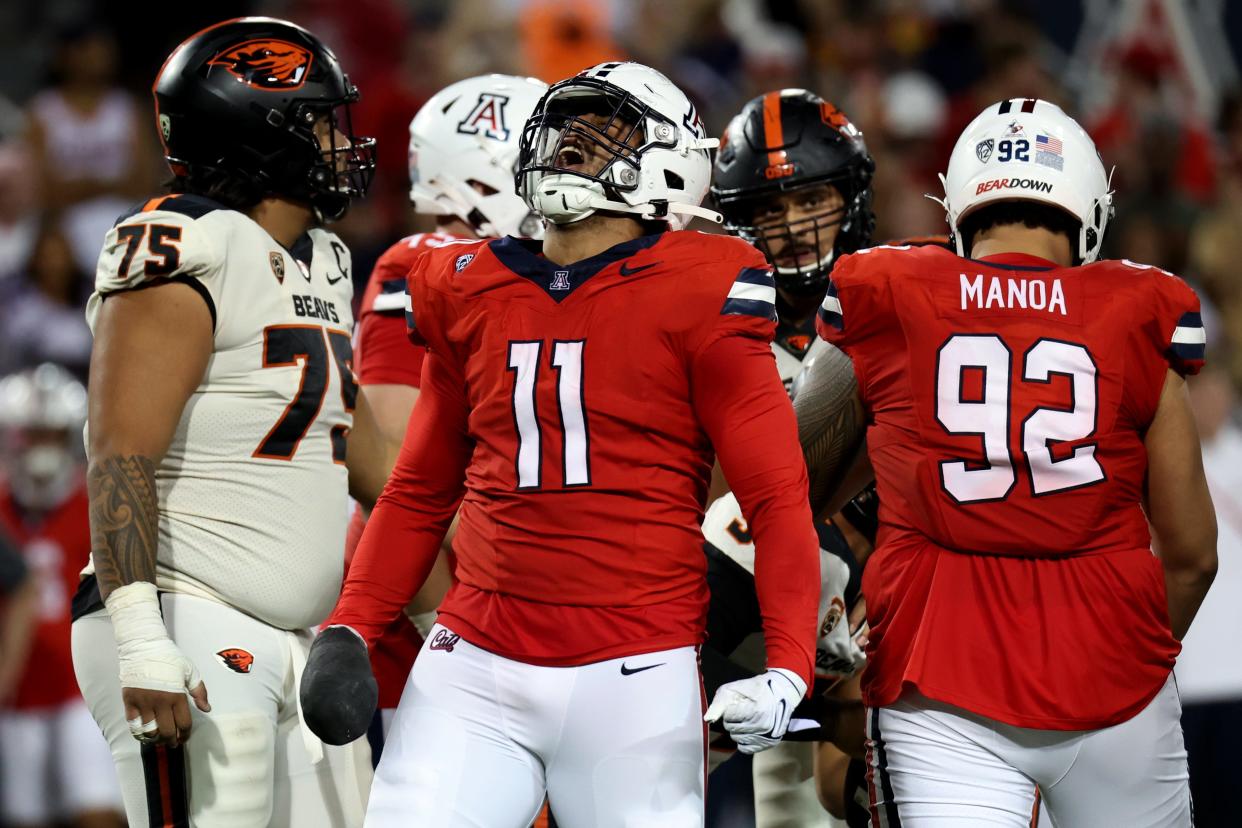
[[267, 64], [237, 660]]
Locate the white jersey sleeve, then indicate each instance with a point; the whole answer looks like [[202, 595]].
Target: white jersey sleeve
[[167, 239]]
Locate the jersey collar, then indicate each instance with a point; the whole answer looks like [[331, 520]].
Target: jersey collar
[[1018, 261], [523, 257]]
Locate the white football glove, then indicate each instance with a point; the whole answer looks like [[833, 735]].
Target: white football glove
[[149, 660], [756, 711], [837, 652]]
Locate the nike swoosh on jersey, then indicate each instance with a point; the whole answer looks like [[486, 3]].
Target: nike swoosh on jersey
[[629, 671], [630, 271]]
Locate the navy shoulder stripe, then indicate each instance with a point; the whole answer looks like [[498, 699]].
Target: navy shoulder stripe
[[830, 310], [753, 293]]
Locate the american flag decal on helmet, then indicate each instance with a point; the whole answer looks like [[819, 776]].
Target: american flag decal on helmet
[[753, 294]]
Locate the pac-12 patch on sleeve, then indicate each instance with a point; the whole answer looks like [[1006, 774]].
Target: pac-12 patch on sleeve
[[753, 294], [1188, 345]]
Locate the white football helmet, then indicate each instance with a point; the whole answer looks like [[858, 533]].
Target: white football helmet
[[42, 411], [467, 135], [647, 133], [1029, 150]]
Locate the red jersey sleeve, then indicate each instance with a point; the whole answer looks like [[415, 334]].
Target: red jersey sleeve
[[430, 309], [749, 306], [1177, 331], [854, 307], [742, 405], [385, 353], [411, 517]]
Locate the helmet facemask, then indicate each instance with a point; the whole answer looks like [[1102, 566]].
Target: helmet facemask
[[592, 145], [813, 240], [344, 162], [593, 132]]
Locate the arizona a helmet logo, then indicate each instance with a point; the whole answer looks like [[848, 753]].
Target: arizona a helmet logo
[[487, 117]]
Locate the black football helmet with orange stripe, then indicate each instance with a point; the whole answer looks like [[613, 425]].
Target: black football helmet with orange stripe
[[258, 107], [793, 141]]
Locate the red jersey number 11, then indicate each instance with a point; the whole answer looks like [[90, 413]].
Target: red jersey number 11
[[524, 362]]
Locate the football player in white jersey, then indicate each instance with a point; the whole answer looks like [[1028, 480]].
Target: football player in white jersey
[[793, 177], [222, 404], [463, 150]]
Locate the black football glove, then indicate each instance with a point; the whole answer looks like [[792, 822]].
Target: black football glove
[[338, 692]]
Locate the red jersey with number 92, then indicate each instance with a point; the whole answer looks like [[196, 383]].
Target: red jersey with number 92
[[1008, 399]]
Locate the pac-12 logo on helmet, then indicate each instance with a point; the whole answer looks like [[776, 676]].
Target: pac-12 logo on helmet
[[267, 64], [488, 117]]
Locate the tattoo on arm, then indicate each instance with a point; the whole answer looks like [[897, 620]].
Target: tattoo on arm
[[124, 520], [830, 422]]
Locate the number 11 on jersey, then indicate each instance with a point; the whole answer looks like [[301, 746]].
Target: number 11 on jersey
[[524, 362]]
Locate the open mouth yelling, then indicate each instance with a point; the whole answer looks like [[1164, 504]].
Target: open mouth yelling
[[571, 158]]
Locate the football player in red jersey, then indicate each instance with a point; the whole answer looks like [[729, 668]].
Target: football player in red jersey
[[57, 766], [1032, 443], [463, 150], [572, 398]]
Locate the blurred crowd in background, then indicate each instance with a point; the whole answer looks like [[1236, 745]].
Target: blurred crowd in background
[[1155, 82]]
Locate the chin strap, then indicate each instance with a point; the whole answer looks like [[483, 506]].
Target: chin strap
[[655, 210]]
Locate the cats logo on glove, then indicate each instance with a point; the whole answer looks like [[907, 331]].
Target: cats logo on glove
[[273, 65], [237, 660]]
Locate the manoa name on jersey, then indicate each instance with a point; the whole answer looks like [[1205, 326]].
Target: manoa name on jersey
[[252, 490]]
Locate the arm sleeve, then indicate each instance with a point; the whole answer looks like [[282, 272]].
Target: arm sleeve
[[741, 403], [411, 517]]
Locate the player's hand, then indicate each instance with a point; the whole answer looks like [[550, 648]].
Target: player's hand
[[756, 711], [338, 691], [155, 675], [838, 651]]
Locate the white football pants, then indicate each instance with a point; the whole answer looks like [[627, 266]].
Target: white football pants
[[935, 765], [249, 762], [479, 739]]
